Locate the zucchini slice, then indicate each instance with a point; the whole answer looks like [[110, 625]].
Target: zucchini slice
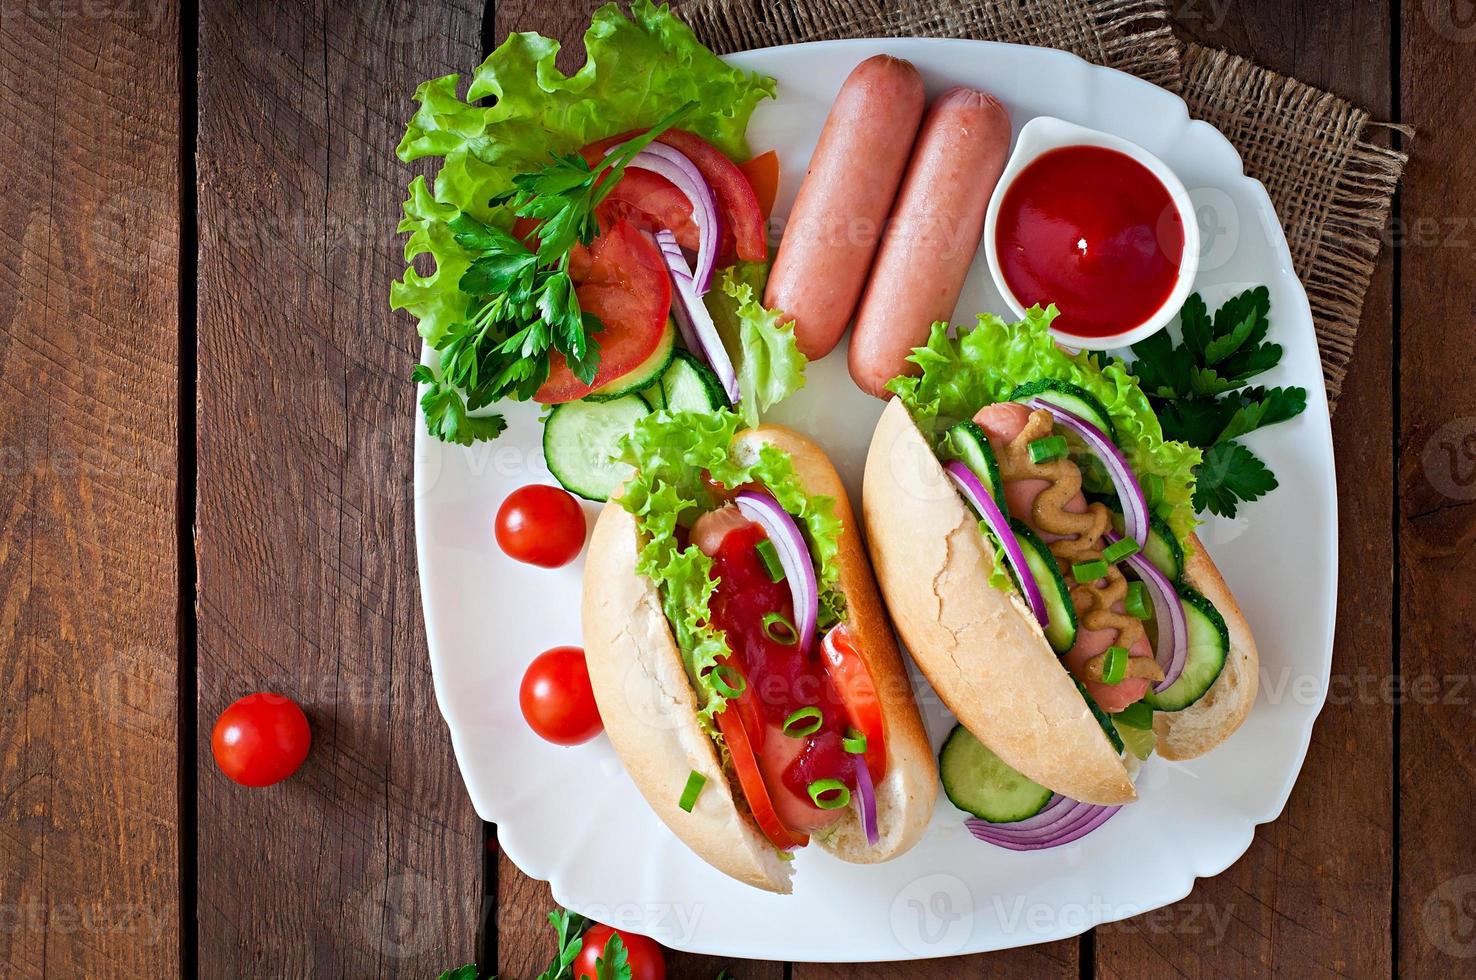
[[1076, 400], [1061, 634], [645, 374], [690, 386], [580, 439], [978, 782], [1209, 645], [967, 443]]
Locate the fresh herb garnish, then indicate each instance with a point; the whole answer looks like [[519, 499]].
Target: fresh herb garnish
[[570, 927], [522, 304], [1198, 390], [614, 962]]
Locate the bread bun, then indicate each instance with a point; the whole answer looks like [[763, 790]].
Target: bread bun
[[650, 709]]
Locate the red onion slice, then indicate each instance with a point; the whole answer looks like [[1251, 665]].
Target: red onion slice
[[698, 331], [866, 801], [794, 558], [677, 167], [983, 503], [1082, 819], [1134, 503], [1172, 651]]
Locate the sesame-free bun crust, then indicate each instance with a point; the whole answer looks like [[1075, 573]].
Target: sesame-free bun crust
[[1214, 717], [650, 709], [980, 647]]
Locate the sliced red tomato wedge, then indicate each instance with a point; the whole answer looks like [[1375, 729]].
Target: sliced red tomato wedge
[[751, 781], [763, 176], [743, 220], [651, 203], [627, 286], [852, 680]]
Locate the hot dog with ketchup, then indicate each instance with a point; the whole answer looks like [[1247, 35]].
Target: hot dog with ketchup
[[743, 666]]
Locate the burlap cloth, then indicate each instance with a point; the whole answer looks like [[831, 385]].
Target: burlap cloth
[[1331, 184]]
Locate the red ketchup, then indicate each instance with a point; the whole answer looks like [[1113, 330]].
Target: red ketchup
[[1093, 231], [780, 679]]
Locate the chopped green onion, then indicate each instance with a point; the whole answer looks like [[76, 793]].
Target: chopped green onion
[[1136, 715], [1136, 601], [780, 630], [769, 555], [1119, 549], [1089, 571], [693, 789], [854, 742], [728, 680], [1048, 449], [829, 794], [805, 721], [1114, 668]]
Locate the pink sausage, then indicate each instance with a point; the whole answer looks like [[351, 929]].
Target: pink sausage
[[933, 233], [836, 222]]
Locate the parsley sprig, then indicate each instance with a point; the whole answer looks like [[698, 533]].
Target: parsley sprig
[[522, 305], [1199, 390]]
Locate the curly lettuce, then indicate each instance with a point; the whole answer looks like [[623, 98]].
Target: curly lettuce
[[637, 70], [765, 354], [984, 364], [674, 455]]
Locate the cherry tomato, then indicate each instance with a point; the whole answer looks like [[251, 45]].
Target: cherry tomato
[[852, 680], [763, 176], [557, 700], [647, 961], [751, 781], [541, 525], [628, 287], [261, 739]]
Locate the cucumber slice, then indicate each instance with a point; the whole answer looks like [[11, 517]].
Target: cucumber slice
[[1209, 645], [645, 374], [690, 385], [967, 443], [653, 396], [1163, 549], [977, 781], [1103, 718], [1078, 401], [1061, 634], [579, 440]]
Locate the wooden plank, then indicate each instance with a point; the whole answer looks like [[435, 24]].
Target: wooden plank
[[1436, 521], [368, 862], [89, 428], [1312, 895]]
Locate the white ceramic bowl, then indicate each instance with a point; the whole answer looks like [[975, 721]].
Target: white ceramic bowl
[[1045, 133]]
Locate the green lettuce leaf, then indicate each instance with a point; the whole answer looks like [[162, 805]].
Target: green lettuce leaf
[[674, 453], [765, 354], [999, 572], [637, 71], [984, 364]]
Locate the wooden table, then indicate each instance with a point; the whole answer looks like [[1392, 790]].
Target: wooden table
[[205, 431]]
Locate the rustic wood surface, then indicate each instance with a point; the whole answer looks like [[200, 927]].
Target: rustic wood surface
[[204, 475]]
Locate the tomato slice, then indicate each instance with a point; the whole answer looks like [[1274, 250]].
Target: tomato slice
[[763, 176], [743, 221], [852, 680], [628, 288], [651, 203], [751, 780]]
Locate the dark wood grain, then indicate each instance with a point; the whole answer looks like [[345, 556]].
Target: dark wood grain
[[368, 862], [1437, 484], [89, 410], [1312, 895]]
